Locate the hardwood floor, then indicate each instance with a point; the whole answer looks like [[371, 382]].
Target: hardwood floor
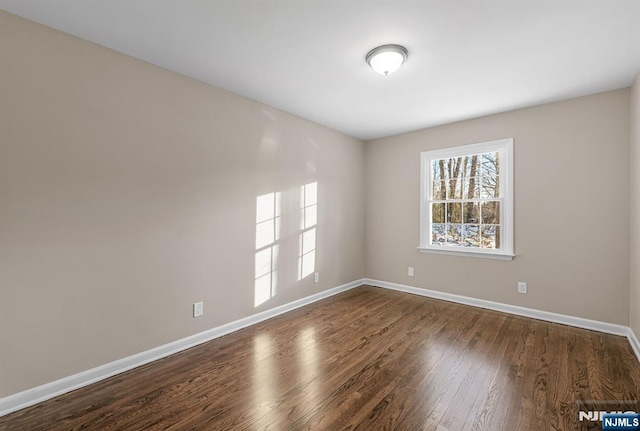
[[367, 359]]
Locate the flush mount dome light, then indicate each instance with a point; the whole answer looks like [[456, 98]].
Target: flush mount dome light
[[387, 59]]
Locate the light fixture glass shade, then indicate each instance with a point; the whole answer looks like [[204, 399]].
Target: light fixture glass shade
[[387, 59]]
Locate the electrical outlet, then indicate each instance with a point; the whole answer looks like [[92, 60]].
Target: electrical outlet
[[316, 277], [410, 271], [522, 287], [198, 309]]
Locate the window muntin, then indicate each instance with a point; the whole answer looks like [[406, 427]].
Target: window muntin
[[467, 199]]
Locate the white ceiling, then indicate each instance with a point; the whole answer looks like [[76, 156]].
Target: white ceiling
[[306, 57]]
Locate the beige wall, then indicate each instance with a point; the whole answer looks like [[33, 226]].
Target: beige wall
[[571, 209], [635, 208], [128, 192]]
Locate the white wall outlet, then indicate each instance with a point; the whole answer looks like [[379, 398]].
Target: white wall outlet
[[198, 309], [316, 277], [410, 271], [522, 287]]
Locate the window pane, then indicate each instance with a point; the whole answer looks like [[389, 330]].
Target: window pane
[[471, 233], [438, 234], [456, 173], [466, 166], [490, 236], [438, 167], [437, 213], [455, 167], [454, 191], [454, 213], [439, 191], [473, 169], [471, 212], [490, 175], [454, 235], [490, 187], [490, 164], [471, 188], [490, 212]]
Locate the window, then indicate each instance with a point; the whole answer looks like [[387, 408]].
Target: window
[[467, 200]]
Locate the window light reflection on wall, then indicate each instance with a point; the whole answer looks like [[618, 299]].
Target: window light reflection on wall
[[308, 222], [268, 217]]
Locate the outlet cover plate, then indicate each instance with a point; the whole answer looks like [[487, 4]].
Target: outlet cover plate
[[522, 287], [198, 309]]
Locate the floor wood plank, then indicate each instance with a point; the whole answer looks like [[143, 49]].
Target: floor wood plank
[[367, 359]]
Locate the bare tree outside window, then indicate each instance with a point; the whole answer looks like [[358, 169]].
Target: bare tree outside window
[[465, 207]]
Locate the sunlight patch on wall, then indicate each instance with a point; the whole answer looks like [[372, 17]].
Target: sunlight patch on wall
[[308, 221], [268, 220]]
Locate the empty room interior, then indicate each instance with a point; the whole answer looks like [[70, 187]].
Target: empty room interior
[[325, 215]]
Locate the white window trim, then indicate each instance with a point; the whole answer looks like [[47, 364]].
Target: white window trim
[[505, 146]]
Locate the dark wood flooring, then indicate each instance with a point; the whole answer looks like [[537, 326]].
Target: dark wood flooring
[[367, 359]]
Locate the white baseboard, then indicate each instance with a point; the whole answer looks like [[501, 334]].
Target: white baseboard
[[578, 322], [47, 391], [635, 344], [50, 390]]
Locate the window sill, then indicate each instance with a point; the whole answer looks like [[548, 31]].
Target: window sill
[[479, 254]]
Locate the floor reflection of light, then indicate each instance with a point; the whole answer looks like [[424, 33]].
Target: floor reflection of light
[[268, 215], [264, 384], [308, 222], [309, 362]]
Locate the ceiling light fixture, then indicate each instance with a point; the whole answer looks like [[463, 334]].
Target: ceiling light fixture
[[387, 59]]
